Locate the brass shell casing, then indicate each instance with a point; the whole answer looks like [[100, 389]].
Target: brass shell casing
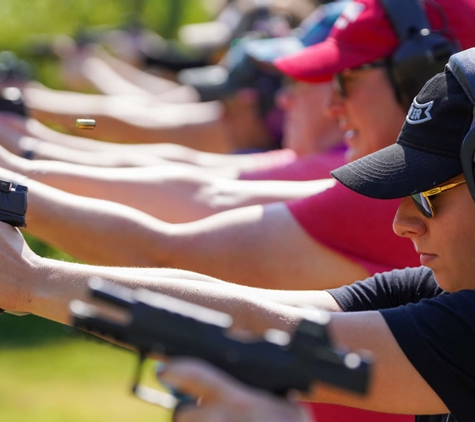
[[87, 124]]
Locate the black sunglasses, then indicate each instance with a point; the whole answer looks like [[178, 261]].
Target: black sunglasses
[[339, 78]]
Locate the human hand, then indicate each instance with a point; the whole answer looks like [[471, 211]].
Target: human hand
[[16, 260], [12, 131], [222, 398]]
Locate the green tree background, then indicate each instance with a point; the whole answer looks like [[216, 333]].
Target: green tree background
[[48, 372]]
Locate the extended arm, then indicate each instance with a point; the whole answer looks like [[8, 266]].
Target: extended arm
[[21, 136], [133, 119], [396, 386], [45, 287], [260, 245], [112, 76], [174, 193]]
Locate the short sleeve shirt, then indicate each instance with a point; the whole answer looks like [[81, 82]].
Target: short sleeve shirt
[[355, 226], [435, 330], [313, 167]]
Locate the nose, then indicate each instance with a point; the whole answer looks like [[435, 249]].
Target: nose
[[335, 108], [408, 221], [283, 98]]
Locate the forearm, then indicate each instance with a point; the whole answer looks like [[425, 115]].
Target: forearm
[[229, 194], [96, 231], [244, 245], [42, 132], [129, 128], [108, 81], [29, 135], [181, 154], [175, 193], [195, 125], [114, 158], [148, 82], [60, 282], [109, 154], [45, 287]]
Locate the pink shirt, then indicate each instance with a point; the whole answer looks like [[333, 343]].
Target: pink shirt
[[286, 165], [357, 227]]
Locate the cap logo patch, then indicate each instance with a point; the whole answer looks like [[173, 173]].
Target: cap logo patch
[[349, 14], [419, 113]]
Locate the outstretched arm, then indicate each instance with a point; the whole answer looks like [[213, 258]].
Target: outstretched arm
[[396, 386], [259, 245], [21, 136], [133, 119], [45, 287], [174, 193], [112, 76]]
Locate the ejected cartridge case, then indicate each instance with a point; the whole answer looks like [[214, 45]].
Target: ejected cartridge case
[[88, 124]]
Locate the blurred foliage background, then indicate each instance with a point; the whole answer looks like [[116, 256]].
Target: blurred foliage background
[[49, 373], [24, 22]]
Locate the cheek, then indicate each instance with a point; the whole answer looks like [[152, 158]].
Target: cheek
[[301, 117], [459, 265], [386, 126], [378, 124], [359, 144], [376, 135], [299, 138], [461, 241], [292, 131], [457, 242]]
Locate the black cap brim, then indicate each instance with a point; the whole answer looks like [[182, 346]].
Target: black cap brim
[[397, 171], [211, 82]]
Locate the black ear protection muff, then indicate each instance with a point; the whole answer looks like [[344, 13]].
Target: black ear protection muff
[[462, 66], [421, 53]]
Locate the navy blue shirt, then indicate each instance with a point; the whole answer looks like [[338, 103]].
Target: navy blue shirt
[[435, 330]]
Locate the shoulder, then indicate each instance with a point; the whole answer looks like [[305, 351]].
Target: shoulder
[[437, 335], [387, 290]]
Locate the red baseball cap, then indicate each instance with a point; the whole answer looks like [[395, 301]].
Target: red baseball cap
[[363, 33]]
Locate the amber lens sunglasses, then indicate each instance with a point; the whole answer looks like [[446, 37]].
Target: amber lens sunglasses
[[422, 199]]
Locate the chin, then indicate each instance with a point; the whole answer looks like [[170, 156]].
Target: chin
[[446, 283]]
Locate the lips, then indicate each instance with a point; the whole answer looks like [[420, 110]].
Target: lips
[[426, 258]]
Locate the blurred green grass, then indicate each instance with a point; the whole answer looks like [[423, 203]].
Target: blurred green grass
[[48, 373], [23, 18], [51, 374], [25, 21]]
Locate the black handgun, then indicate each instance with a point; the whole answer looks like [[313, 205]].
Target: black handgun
[[11, 101], [13, 203], [157, 324]]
